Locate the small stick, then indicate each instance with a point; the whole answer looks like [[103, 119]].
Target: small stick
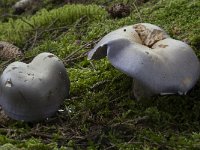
[[138, 12], [27, 23], [35, 39]]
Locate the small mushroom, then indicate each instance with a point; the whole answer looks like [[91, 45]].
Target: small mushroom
[[24, 5], [34, 91], [157, 63]]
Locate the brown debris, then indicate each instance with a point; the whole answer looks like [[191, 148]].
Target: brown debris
[[148, 37], [75, 1], [3, 117], [9, 51], [119, 10], [140, 2]]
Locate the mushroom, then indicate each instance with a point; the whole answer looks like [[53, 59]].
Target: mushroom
[[34, 91], [157, 63], [23, 5]]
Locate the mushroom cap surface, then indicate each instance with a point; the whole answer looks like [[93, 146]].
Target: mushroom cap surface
[[22, 4], [159, 63], [34, 91]]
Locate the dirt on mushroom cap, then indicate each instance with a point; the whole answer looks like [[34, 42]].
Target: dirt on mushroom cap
[[148, 37]]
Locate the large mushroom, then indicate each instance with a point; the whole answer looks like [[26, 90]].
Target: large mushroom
[[34, 91], [157, 63]]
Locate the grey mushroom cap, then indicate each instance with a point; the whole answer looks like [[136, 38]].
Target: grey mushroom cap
[[157, 63], [127, 32], [100, 50], [34, 91], [22, 4]]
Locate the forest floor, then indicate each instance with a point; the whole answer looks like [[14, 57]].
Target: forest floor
[[101, 112]]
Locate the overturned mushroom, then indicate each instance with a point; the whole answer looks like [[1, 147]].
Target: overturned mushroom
[[34, 91], [157, 63]]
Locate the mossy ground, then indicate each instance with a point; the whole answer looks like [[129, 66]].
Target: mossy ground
[[101, 112]]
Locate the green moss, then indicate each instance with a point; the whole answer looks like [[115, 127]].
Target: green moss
[[8, 146], [17, 31], [5, 6]]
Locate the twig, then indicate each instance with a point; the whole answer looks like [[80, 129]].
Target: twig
[[79, 21], [57, 28], [27, 23], [5, 130], [5, 63], [110, 147], [138, 12], [27, 59], [84, 46], [68, 61], [33, 25], [37, 35], [43, 135], [9, 15], [50, 136], [119, 98], [75, 97], [34, 40], [93, 66], [52, 23], [96, 85], [70, 55]]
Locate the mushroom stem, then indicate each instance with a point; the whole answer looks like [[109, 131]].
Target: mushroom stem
[[140, 91]]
